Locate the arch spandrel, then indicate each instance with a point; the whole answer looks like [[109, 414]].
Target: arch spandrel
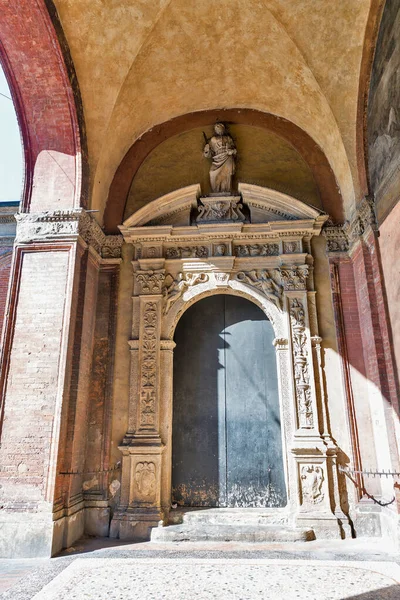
[[232, 287]]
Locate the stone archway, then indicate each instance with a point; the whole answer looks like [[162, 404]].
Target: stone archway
[[270, 264]]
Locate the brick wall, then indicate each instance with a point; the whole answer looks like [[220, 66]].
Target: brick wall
[[5, 267], [32, 394]]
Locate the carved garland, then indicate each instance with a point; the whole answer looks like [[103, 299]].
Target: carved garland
[[149, 366], [301, 369]]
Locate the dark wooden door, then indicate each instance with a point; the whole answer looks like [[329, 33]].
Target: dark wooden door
[[227, 446]]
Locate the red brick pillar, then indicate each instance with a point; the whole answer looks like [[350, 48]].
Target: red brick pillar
[[45, 381], [363, 336]]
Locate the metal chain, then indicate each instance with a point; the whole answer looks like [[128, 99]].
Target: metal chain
[[362, 489]]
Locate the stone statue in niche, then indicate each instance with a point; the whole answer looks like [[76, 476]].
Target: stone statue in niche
[[221, 149]]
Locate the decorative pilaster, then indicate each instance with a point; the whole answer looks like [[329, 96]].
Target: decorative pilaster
[[311, 451], [142, 448]]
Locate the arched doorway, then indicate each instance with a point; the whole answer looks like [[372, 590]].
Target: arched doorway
[[227, 444]]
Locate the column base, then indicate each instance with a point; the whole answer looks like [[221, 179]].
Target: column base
[[326, 527], [134, 525]]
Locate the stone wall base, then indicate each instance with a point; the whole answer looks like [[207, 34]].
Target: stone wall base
[[134, 526], [67, 530], [326, 527], [26, 535], [97, 520]]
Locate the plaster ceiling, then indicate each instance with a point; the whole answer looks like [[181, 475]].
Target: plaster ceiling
[[143, 62]]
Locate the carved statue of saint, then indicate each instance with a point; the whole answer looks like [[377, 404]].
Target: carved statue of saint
[[221, 149]]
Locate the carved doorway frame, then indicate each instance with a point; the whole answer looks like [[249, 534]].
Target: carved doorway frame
[[269, 262]]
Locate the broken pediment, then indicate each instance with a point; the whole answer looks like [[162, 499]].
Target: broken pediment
[[186, 206], [266, 204], [174, 208]]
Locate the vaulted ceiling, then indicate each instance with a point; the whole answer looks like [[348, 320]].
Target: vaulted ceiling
[[141, 63]]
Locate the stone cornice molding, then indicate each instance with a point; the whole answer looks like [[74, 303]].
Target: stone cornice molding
[[182, 200], [66, 225], [342, 238], [279, 205]]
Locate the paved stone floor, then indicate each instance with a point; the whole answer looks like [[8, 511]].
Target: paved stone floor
[[102, 569]]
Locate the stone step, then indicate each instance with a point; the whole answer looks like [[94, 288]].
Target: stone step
[[228, 516], [230, 533]]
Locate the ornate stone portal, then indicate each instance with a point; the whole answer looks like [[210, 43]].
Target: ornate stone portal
[[268, 261]]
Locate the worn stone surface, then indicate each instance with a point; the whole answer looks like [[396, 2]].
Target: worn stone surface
[[208, 579]]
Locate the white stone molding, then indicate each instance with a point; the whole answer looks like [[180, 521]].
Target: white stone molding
[[179, 202], [270, 205], [66, 225]]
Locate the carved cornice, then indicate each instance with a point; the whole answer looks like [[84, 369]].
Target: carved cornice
[[66, 225], [342, 238]]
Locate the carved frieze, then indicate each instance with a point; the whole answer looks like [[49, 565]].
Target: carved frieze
[[256, 250], [294, 277], [150, 282], [341, 238], [175, 288], [187, 252], [312, 478], [266, 281], [55, 225], [336, 238], [301, 364], [148, 373]]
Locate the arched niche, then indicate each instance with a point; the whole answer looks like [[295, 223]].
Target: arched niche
[[264, 158], [309, 154]]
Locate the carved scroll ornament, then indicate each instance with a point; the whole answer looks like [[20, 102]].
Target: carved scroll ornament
[[150, 282], [301, 367], [263, 280], [213, 210], [295, 278], [148, 366], [175, 288], [187, 252]]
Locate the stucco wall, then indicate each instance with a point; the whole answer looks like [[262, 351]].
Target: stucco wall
[[389, 243]]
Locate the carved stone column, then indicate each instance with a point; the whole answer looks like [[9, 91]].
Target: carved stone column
[[312, 446], [140, 503]]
